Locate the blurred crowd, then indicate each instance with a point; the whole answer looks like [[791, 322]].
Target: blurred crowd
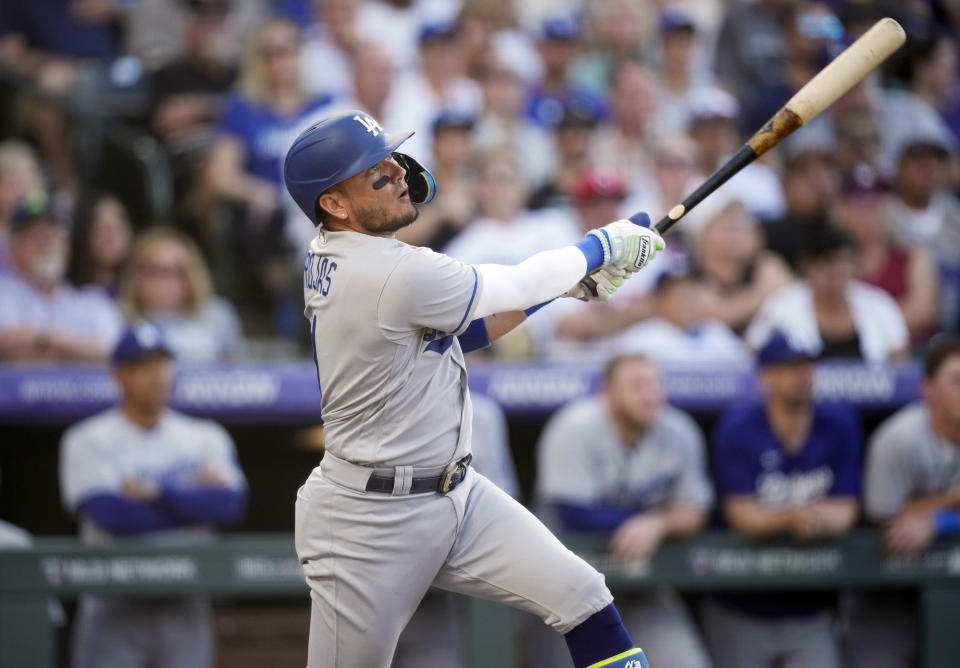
[[540, 120]]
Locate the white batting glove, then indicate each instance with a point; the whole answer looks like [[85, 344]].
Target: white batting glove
[[628, 245], [608, 280]]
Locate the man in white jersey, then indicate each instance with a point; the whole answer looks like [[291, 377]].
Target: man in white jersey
[[394, 506], [143, 471]]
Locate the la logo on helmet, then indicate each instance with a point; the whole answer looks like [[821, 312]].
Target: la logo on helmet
[[371, 125]]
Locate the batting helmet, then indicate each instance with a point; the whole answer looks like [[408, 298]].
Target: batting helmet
[[341, 146]]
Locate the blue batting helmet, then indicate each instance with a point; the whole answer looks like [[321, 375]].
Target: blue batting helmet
[[341, 146]]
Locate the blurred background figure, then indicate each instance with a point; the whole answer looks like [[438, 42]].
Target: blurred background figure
[[627, 463], [830, 313], [572, 138], [20, 177], [680, 332], [142, 470], [905, 272], [785, 464], [42, 317], [751, 46], [167, 282], [331, 47], [616, 30], [100, 242], [736, 271]]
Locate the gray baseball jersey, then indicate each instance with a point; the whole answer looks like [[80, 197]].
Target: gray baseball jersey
[[907, 459], [582, 460], [384, 318]]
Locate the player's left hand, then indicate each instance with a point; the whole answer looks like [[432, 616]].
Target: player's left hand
[[639, 536], [910, 532], [627, 244], [608, 280]]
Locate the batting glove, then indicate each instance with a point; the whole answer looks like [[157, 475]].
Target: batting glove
[[606, 281], [627, 245]]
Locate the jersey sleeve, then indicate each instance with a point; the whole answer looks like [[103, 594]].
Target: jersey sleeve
[[847, 449], [693, 486], [83, 472], [564, 461], [429, 290], [888, 480], [735, 466]]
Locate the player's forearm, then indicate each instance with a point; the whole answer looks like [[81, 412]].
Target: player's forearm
[[944, 501], [749, 517], [682, 520], [123, 516], [205, 505], [537, 279]]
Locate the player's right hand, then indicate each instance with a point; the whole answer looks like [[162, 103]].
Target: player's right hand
[[627, 244], [606, 282]]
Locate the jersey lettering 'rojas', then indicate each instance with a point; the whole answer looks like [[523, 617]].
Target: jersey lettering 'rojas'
[[384, 318]]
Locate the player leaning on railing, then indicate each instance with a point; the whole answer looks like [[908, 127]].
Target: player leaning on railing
[[394, 506]]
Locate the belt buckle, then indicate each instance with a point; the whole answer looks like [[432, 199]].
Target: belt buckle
[[453, 475]]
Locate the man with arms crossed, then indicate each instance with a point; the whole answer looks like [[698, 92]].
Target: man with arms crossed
[[394, 506]]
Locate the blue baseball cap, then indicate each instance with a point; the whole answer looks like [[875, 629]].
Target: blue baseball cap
[[141, 340], [561, 27], [673, 19], [780, 349], [34, 207], [437, 31]]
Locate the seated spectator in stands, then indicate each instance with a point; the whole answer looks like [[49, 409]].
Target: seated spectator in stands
[[141, 470], [617, 30], [373, 77], [330, 47], [911, 489], [714, 115], [167, 282], [455, 203], [811, 187], [906, 272], [750, 47], [188, 94], [505, 233], [100, 242], [20, 177], [830, 313], [422, 93], [681, 332], [572, 138], [626, 463], [503, 120], [43, 318], [925, 213], [785, 465], [736, 271], [558, 42]]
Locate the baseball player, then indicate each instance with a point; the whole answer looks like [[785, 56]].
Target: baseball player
[[141, 470], [394, 506]]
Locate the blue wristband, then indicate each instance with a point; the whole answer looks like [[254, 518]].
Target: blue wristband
[[592, 249], [536, 307], [947, 522]]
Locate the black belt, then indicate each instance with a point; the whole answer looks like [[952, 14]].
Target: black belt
[[452, 476]]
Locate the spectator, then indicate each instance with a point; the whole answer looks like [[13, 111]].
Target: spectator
[[20, 177], [906, 272], [925, 213], [188, 94], [811, 188], [454, 205], [331, 46], [572, 138], [439, 85], [738, 274], [828, 311], [912, 489], [42, 318], [681, 332], [100, 242], [141, 470], [626, 463], [505, 233], [373, 76], [617, 31], [167, 282], [751, 49], [558, 43], [784, 465]]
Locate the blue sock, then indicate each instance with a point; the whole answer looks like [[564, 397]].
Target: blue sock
[[599, 637]]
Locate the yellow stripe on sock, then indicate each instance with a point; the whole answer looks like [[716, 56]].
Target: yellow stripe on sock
[[621, 655]]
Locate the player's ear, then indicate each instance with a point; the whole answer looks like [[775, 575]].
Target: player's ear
[[333, 203]]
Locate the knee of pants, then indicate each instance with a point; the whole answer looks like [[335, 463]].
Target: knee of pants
[[589, 596]]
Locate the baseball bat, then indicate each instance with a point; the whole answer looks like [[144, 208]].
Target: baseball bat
[[842, 74]]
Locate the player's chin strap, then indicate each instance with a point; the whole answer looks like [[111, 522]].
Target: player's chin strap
[[419, 180]]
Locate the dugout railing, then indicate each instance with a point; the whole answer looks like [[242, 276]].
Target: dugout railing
[[265, 565]]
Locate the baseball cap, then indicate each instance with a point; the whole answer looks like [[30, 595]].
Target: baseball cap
[[453, 120], [864, 180], [437, 31], [142, 339], [34, 207], [712, 104], [780, 349], [561, 27], [673, 19], [597, 183]]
